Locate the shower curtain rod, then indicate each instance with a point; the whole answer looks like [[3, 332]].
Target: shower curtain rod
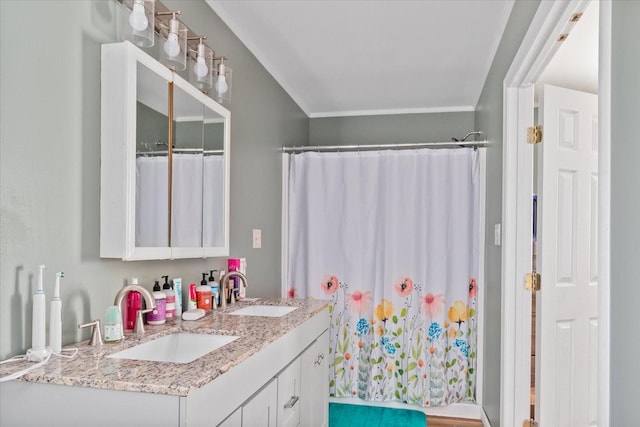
[[179, 150], [454, 143]]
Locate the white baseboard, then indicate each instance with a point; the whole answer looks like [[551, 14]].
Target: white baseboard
[[457, 410]]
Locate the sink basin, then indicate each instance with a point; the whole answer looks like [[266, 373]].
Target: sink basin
[[175, 348], [263, 310]]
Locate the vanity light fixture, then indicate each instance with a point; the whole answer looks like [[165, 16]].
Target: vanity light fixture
[[201, 71], [223, 81], [136, 22], [174, 50]]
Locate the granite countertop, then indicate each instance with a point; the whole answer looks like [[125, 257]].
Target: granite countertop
[[91, 368]]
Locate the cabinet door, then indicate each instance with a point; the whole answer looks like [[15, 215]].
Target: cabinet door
[[289, 395], [261, 410], [234, 420], [314, 391], [164, 189]]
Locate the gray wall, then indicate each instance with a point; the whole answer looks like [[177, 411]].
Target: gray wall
[[625, 213], [50, 162], [390, 129], [489, 120]]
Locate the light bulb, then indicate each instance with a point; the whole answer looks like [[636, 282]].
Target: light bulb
[[138, 20], [171, 46], [221, 85], [200, 68]]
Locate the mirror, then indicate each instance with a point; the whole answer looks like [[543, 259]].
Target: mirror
[[186, 170], [152, 159], [164, 162]]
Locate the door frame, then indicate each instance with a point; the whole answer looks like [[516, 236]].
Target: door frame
[[535, 52]]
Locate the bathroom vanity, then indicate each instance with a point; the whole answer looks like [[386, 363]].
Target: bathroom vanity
[[274, 373]]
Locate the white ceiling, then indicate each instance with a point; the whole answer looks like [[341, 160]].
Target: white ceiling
[[359, 57], [353, 57], [575, 63]]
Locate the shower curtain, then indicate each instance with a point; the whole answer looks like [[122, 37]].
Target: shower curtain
[[391, 239], [197, 210]]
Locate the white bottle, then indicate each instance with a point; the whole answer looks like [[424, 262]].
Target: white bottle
[[177, 288], [55, 318]]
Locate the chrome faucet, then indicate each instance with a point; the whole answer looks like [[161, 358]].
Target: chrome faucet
[[224, 285], [149, 301]]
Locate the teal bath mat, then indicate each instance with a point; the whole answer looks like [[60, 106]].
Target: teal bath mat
[[346, 415]]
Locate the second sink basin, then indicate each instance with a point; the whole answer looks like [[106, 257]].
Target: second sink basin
[[180, 347], [264, 310]]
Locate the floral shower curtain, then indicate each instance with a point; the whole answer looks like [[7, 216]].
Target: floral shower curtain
[[391, 239]]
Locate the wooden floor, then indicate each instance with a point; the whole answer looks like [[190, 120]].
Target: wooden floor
[[452, 422]]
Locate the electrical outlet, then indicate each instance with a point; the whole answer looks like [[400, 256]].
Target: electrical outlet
[[257, 238]]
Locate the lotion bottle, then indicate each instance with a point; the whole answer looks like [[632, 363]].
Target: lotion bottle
[[177, 288], [158, 316], [170, 308]]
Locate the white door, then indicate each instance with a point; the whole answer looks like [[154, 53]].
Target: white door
[[566, 355]]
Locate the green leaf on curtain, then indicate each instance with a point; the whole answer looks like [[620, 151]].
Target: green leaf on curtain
[[340, 371], [401, 371], [337, 361], [453, 380], [399, 385], [330, 308], [472, 355], [472, 312], [403, 312], [471, 370], [403, 355], [397, 393], [332, 383], [411, 366], [399, 331], [394, 319]]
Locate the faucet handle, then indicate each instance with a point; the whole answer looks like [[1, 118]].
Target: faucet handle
[[138, 329], [96, 336]]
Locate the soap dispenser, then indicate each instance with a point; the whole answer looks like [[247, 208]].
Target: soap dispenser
[[215, 290], [157, 316], [170, 307], [203, 294]]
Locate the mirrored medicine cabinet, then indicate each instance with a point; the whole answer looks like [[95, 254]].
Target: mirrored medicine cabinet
[[164, 162]]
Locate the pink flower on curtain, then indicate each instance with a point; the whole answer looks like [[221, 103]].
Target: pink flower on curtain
[[404, 287], [359, 302], [292, 293], [473, 288], [432, 304], [330, 285]]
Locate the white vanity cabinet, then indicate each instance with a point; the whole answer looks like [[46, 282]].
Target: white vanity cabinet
[[284, 383], [297, 396], [314, 384], [164, 165]]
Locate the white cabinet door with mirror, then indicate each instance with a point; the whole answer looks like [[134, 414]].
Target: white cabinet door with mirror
[[164, 165]]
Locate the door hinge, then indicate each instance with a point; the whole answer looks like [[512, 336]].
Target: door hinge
[[530, 423], [533, 281], [534, 135]]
